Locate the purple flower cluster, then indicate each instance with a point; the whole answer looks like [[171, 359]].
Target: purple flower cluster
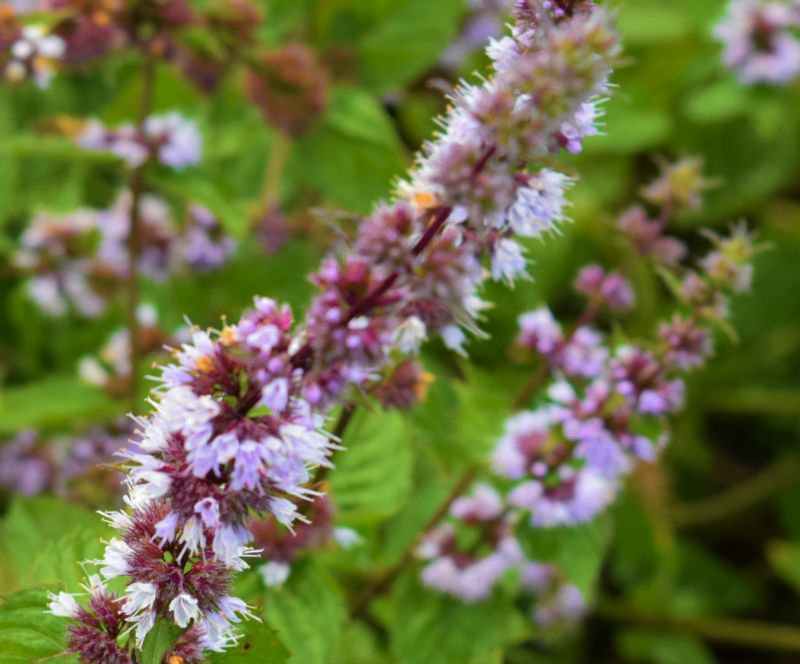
[[416, 267], [558, 602], [77, 260], [31, 463], [30, 52], [169, 139], [470, 572], [469, 555], [604, 408], [760, 39], [238, 418], [608, 400]]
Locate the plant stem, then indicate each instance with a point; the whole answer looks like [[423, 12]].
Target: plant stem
[[383, 584], [136, 184], [747, 633], [738, 498], [278, 158]]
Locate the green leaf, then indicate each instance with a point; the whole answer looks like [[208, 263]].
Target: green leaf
[[193, 186], [372, 479], [578, 551], [663, 648], [258, 645], [649, 21], [56, 148], [407, 42], [27, 633], [716, 103], [159, 641], [33, 525], [785, 560], [351, 155], [58, 563], [307, 613], [629, 129], [52, 402], [428, 627]]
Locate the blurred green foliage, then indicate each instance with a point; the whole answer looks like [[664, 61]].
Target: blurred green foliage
[[672, 98]]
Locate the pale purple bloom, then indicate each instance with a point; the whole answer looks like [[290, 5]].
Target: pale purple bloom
[[760, 40]]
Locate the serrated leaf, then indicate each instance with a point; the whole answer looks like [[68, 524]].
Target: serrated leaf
[[428, 627], [307, 613], [27, 633], [372, 479], [33, 524], [58, 562]]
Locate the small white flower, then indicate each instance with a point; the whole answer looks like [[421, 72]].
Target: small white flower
[[139, 597], [184, 609], [63, 605], [410, 334], [454, 338], [274, 573], [144, 622], [508, 261], [115, 563], [346, 537]]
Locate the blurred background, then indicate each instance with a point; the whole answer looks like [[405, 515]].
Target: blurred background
[[289, 160]]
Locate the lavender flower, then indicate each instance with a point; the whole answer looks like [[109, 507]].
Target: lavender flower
[[470, 574], [239, 416], [760, 40], [169, 139]]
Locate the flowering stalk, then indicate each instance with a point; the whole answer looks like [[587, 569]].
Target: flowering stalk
[[239, 417], [606, 406]]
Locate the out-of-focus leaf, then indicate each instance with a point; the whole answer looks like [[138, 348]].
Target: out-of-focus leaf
[[649, 22], [631, 129], [307, 613], [428, 627], [352, 155], [195, 187], [52, 402], [372, 479], [56, 148], [785, 560], [407, 42], [578, 551], [715, 103], [663, 648], [358, 645], [28, 634]]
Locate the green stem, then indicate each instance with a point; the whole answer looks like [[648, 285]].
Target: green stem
[[278, 158], [738, 498], [746, 633], [385, 582], [137, 186]]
